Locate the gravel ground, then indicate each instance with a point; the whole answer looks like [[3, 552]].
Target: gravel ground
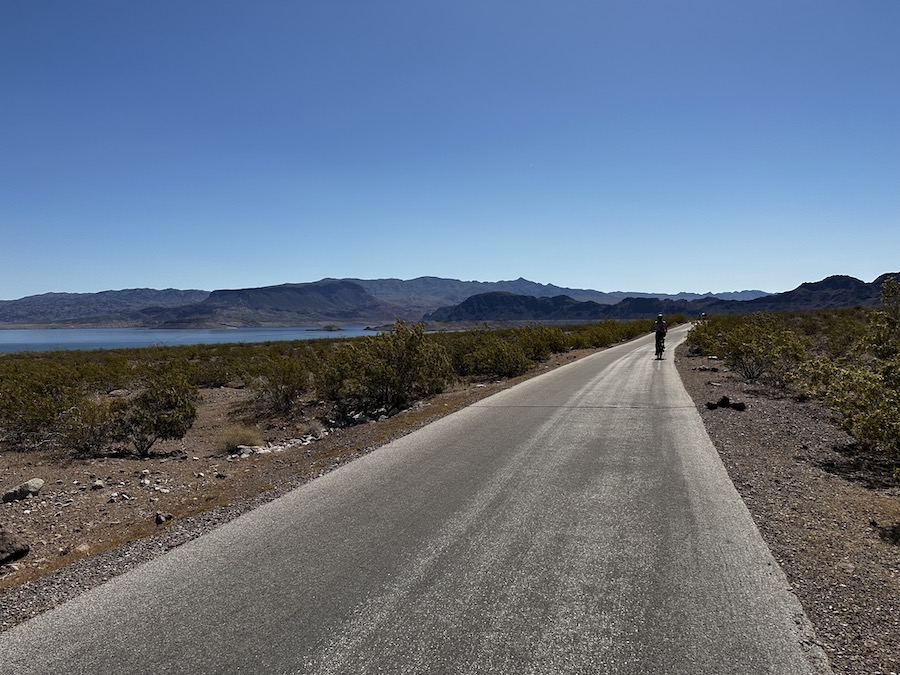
[[828, 512], [829, 515]]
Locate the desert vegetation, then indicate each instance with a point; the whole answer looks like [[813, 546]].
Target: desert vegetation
[[847, 358], [124, 401]]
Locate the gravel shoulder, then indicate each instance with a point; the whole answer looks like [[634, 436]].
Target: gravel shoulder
[[829, 513], [831, 518]]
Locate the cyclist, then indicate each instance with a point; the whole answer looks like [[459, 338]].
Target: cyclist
[[660, 328]]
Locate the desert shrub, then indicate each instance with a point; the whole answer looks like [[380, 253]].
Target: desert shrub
[[460, 345], [595, 335], [538, 341], [209, 372], [834, 333], [847, 358], [706, 337], [863, 385], [866, 400], [282, 380], [883, 339], [89, 425], [388, 370], [165, 409], [607, 333], [755, 345], [34, 392], [495, 356], [334, 371]]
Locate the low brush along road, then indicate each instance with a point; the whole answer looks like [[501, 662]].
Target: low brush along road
[[580, 522]]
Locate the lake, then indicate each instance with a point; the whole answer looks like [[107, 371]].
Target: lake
[[49, 339]]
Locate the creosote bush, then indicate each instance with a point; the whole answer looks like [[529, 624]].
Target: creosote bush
[[385, 371], [848, 359], [282, 379], [495, 356], [165, 409], [90, 424]]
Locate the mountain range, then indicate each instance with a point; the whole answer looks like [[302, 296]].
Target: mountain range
[[831, 292], [367, 301]]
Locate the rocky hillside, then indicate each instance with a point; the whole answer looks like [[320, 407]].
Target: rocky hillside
[[330, 300], [333, 301], [347, 301], [832, 292], [107, 307], [424, 294]]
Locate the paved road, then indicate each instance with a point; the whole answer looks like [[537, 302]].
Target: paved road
[[578, 523]]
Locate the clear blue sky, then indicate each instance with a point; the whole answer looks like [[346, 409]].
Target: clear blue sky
[[648, 145]]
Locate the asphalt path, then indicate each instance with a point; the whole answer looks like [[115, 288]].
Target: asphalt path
[[580, 522]]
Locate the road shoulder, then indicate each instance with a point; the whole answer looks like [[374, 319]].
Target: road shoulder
[[826, 518]]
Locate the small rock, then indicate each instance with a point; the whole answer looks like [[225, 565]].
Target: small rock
[[12, 546], [98, 485], [725, 402], [163, 517], [25, 490]]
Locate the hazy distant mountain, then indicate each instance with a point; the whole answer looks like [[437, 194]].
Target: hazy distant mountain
[[328, 300], [107, 307], [331, 301], [730, 295], [425, 294], [345, 301]]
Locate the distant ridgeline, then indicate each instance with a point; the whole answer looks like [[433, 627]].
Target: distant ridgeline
[[361, 301], [832, 292]]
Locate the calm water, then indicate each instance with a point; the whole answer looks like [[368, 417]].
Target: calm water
[[37, 340]]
